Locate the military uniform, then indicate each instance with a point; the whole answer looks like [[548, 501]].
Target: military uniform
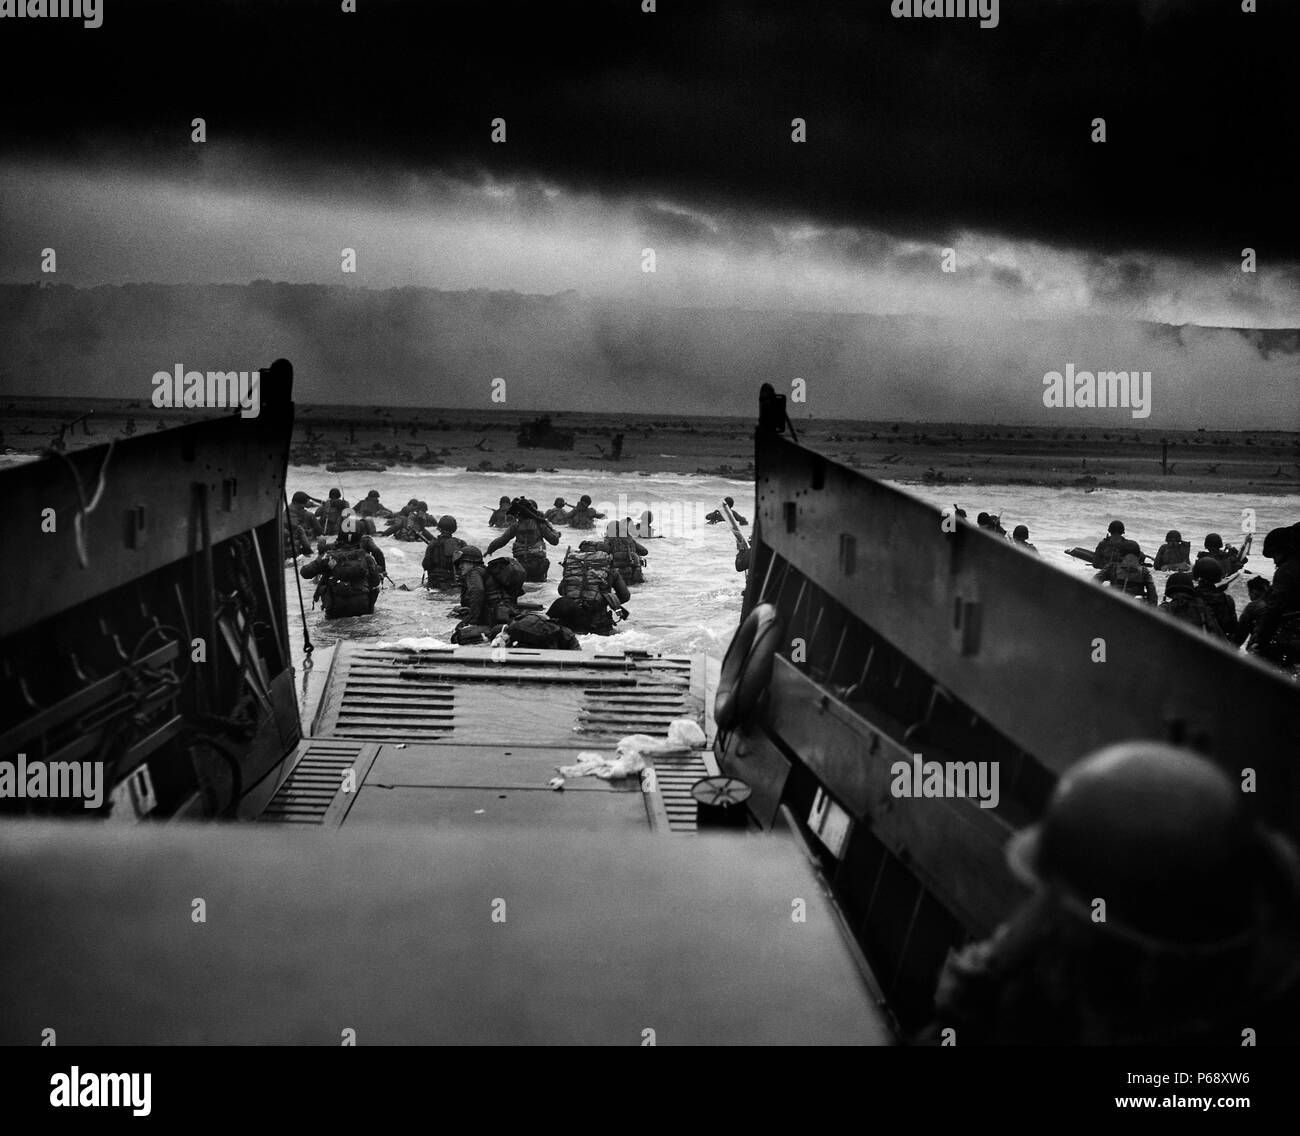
[[349, 580]]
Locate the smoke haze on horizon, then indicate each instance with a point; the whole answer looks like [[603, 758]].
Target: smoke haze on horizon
[[672, 132], [419, 347]]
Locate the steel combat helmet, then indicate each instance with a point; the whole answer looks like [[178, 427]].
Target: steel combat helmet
[[1161, 835], [1208, 569]]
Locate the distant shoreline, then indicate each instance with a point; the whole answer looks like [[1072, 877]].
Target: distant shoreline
[[1266, 463]]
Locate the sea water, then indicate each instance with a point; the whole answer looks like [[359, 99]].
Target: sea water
[[691, 599]]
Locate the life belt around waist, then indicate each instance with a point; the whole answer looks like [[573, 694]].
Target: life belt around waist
[[747, 668]]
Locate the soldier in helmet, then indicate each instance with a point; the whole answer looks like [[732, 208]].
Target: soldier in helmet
[[582, 515], [349, 577], [301, 526], [1161, 914], [1207, 573], [1183, 601], [440, 557], [1229, 558], [531, 532], [591, 592], [1020, 538], [1175, 555], [1130, 577], [330, 514], [627, 552], [484, 605], [1257, 588], [1277, 632], [1112, 550], [716, 517], [370, 506]]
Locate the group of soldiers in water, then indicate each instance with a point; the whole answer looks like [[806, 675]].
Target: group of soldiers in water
[[1268, 625], [595, 578], [1195, 590]]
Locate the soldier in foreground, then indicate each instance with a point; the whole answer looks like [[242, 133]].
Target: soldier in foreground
[[1161, 915], [1257, 588], [484, 604], [1207, 573], [1130, 577], [349, 578], [1277, 632], [588, 588], [1182, 601]]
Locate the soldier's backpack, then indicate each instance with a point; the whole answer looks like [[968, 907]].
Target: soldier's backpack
[[626, 559], [438, 556], [586, 578], [534, 630], [623, 555], [509, 575], [350, 566], [1192, 609]]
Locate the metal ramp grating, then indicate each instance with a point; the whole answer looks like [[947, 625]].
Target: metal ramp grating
[[466, 694], [310, 794], [675, 773], [377, 701], [613, 711]]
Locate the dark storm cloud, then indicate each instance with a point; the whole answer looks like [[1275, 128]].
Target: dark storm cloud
[[916, 127]]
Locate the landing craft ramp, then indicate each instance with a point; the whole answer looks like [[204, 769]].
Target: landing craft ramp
[[464, 901], [434, 736]]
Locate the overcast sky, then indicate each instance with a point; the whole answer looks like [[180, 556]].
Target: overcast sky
[[672, 131]]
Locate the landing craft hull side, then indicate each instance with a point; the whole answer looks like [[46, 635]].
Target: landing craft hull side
[[960, 647], [154, 633], [146, 518]]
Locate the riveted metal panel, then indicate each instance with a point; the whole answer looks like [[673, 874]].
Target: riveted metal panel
[[1012, 637]]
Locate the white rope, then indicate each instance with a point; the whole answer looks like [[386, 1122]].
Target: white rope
[[85, 508]]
